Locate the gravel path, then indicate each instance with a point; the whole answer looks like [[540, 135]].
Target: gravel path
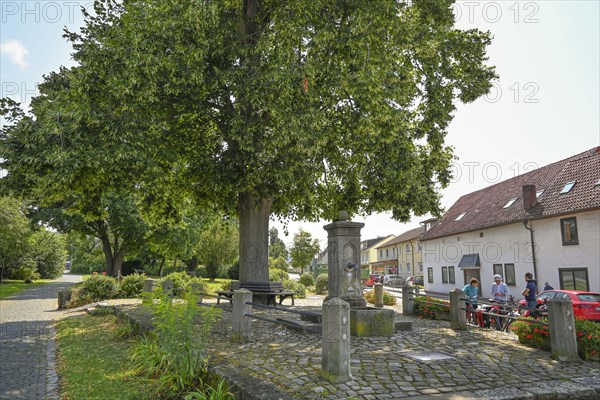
[[27, 369]]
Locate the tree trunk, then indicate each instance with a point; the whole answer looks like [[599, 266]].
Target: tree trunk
[[253, 213], [113, 255], [162, 264]]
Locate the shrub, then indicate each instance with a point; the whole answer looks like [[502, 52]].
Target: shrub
[[321, 284], [183, 282], [297, 287], [25, 273], [233, 272], [423, 307], [48, 253], [132, 286], [307, 279], [100, 287], [176, 355], [588, 339], [278, 275], [388, 298]]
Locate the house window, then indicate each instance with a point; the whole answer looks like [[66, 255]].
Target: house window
[[568, 230], [421, 267], [460, 216], [498, 269], [393, 252], [408, 248], [419, 246], [380, 253], [387, 253], [509, 275], [430, 275], [568, 187], [444, 274], [574, 279], [408, 267], [510, 202], [539, 193], [399, 250], [451, 278]]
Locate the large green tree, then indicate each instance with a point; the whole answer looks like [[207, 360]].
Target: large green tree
[[303, 250], [15, 232], [263, 107]]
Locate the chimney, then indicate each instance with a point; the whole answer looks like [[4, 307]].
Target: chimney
[[529, 197]]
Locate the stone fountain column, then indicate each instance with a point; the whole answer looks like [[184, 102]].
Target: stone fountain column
[[343, 263]]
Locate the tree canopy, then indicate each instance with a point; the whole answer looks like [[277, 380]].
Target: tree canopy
[[303, 250], [262, 107]]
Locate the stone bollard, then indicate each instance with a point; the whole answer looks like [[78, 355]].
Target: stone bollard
[[167, 288], [563, 335], [335, 347], [378, 289], [408, 303], [458, 317], [148, 285], [242, 329], [63, 298]]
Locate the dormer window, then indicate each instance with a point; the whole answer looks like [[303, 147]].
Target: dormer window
[[568, 187], [460, 216], [510, 202]]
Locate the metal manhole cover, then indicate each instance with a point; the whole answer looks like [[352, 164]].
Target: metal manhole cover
[[430, 356]]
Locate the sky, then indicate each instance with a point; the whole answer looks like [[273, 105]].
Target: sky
[[544, 107]]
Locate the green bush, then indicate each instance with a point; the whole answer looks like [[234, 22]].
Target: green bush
[[307, 279], [49, 254], [233, 272], [176, 356], [297, 287], [321, 284], [278, 275], [388, 298], [132, 286], [25, 273], [424, 308], [183, 282], [100, 287]]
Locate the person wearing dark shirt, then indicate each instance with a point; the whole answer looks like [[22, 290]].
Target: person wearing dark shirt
[[530, 291]]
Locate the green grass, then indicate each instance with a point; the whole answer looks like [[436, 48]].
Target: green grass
[[215, 285], [93, 364], [10, 287]]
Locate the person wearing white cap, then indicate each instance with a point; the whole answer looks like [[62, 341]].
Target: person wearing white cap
[[499, 290]]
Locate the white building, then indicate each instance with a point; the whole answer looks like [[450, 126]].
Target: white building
[[546, 222]]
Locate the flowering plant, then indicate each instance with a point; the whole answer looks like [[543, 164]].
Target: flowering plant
[[425, 309], [535, 335], [588, 339]]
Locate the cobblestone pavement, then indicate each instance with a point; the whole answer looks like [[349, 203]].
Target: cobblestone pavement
[[27, 369], [482, 364]]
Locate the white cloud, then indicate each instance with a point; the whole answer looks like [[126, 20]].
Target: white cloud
[[16, 52]]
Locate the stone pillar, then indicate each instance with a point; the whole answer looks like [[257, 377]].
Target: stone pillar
[[167, 288], [563, 336], [378, 289], [458, 317], [408, 304], [242, 329], [335, 351], [343, 264], [148, 285]]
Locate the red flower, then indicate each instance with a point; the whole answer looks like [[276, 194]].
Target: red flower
[[529, 336]]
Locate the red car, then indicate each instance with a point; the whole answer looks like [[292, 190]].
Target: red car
[[369, 282], [586, 305]]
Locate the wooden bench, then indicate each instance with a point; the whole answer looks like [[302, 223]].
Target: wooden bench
[[270, 289]]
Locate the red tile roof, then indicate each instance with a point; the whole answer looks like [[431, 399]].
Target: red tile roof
[[484, 208]]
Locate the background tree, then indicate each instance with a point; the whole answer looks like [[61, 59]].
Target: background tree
[[297, 109], [303, 250], [48, 252], [276, 245], [218, 245], [15, 232]]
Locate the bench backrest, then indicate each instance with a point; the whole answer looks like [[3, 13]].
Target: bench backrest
[[257, 286]]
